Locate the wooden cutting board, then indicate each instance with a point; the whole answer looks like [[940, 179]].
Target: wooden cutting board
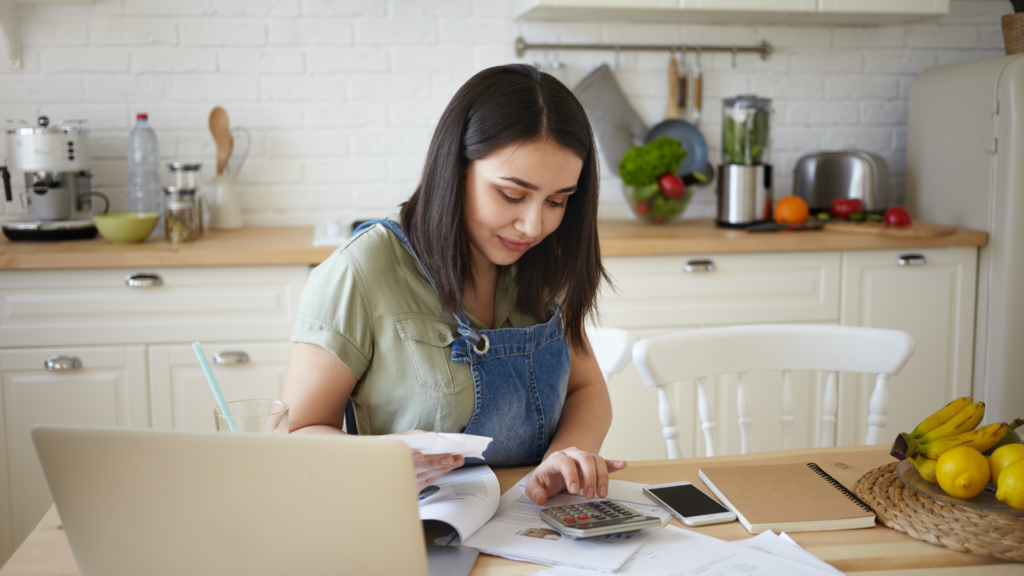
[[920, 230]]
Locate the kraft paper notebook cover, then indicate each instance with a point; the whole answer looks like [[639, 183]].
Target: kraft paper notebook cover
[[787, 498]]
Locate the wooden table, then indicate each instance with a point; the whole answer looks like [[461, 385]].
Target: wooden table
[[877, 551]]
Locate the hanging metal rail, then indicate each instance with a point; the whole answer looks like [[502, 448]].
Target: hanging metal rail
[[764, 48]]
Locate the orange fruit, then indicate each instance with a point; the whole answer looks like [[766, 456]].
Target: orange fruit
[[791, 210]]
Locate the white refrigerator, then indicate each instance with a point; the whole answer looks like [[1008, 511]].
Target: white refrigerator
[[965, 167]]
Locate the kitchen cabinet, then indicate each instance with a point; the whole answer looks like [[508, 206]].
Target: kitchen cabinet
[[929, 293], [934, 302], [789, 12], [72, 386], [181, 395], [131, 330]]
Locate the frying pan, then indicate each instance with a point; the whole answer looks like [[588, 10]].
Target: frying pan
[[674, 127]]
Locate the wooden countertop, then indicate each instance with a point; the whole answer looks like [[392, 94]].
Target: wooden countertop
[[872, 551], [294, 245]]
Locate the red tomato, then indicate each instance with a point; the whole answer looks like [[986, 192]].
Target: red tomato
[[897, 216], [642, 208], [843, 207], [659, 220], [671, 185]]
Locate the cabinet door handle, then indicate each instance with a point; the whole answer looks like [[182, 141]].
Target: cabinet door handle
[[63, 362], [221, 358], [694, 266], [911, 260], [143, 280]]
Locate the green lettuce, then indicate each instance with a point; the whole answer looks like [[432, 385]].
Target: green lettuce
[[642, 165]]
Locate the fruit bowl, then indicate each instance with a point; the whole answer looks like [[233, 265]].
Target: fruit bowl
[[651, 205], [986, 500], [126, 227]]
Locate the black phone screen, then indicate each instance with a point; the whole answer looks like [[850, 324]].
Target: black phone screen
[[688, 500]]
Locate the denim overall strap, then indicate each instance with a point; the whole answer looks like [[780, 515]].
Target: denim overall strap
[[520, 377]]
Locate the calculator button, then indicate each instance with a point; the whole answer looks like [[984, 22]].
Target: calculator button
[[570, 520], [583, 517], [599, 517]]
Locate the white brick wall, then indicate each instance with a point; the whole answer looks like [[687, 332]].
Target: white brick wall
[[342, 96]]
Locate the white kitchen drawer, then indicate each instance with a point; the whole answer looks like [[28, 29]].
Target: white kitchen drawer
[[657, 291], [182, 399], [74, 307]]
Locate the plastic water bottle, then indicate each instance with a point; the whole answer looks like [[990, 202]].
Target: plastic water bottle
[[145, 193]]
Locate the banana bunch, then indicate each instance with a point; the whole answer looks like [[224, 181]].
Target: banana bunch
[[953, 425]]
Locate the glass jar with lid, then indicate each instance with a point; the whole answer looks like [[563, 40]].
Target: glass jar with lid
[[185, 174], [181, 214]]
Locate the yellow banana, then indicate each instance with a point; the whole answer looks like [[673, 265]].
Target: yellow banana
[[965, 421], [981, 439], [925, 467], [940, 417]]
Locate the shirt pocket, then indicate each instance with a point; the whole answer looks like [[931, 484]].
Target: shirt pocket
[[428, 339]]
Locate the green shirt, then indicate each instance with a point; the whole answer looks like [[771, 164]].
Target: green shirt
[[371, 305]]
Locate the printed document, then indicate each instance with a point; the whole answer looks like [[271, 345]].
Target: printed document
[[470, 497], [465, 445], [786, 548], [674, 551], [517, 531]]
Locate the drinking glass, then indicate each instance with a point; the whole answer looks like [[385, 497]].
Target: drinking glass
[[254, 417]]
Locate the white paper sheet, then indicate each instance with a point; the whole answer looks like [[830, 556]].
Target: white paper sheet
[[768, 543], [673, 551], [465, 445], [474, 498], [517, 531]]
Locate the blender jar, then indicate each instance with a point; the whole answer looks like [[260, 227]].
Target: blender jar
[[744, 177]]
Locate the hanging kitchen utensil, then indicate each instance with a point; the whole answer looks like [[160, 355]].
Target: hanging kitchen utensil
[[617, 126], [683, 83], [671, 106], [684, 132], [219, 127], [698, 89]]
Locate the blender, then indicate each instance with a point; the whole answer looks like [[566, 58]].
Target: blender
[[54, 160], [744, 176]]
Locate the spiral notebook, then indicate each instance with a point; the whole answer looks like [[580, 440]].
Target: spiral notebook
[[787, 498]]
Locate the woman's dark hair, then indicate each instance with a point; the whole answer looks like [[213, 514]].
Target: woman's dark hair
[[497, 107]]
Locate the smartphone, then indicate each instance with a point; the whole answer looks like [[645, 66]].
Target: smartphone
[[689, 504]]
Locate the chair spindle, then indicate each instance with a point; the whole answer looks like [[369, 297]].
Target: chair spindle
[[786, 420], [829, 403], [707, 419], [743, 407], [878, 407], [668, 430]]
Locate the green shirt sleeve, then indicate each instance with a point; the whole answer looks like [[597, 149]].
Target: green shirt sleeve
[[333, 313]]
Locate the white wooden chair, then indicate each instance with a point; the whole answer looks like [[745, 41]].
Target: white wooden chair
[[613, 348], [699, 354]]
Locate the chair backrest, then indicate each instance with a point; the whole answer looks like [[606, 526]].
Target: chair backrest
[[613, 348], [699, 354]]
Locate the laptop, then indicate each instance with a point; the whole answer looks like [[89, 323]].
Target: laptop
[[170, 503]]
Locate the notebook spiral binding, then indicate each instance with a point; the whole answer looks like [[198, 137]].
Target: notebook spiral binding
[[828, 478]]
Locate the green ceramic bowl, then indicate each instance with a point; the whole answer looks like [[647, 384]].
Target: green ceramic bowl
[[126, 227]]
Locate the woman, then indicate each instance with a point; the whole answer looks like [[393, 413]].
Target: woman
[[466, 313]]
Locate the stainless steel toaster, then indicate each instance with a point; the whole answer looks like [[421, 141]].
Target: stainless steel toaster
[[822, 177]]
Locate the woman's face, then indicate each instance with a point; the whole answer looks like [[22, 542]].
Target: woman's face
[[516, 196]]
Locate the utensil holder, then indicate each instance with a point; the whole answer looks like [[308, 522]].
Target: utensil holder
[[225, 211], [1013, 33]]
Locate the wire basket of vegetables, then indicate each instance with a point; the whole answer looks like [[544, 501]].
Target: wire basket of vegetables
[[652, 189]]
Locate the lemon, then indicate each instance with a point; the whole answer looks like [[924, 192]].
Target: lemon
[[1002, 458], [962, 472], [1010, 488]]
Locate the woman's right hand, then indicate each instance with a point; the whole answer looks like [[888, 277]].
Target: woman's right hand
[[428, 468]]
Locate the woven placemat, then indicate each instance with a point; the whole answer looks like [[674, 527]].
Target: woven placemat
[[938, 522]]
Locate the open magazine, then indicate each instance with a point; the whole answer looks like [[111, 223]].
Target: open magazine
[[509, 525]]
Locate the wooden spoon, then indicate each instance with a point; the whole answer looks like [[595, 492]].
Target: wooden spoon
[[672, 108], [221, 136]]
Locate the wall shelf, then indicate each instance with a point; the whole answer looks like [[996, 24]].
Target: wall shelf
[[789, 12]]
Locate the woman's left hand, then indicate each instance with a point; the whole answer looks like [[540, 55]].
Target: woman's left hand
[[574, 470]]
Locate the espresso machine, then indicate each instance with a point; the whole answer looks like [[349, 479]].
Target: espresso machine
[[58, 194]]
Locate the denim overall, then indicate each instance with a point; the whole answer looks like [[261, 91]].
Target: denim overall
[[520, 377]]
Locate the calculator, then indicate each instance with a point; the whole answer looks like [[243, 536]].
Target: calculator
[[591, 519]]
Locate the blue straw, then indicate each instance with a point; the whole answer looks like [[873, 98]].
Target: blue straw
[[213, 385]]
